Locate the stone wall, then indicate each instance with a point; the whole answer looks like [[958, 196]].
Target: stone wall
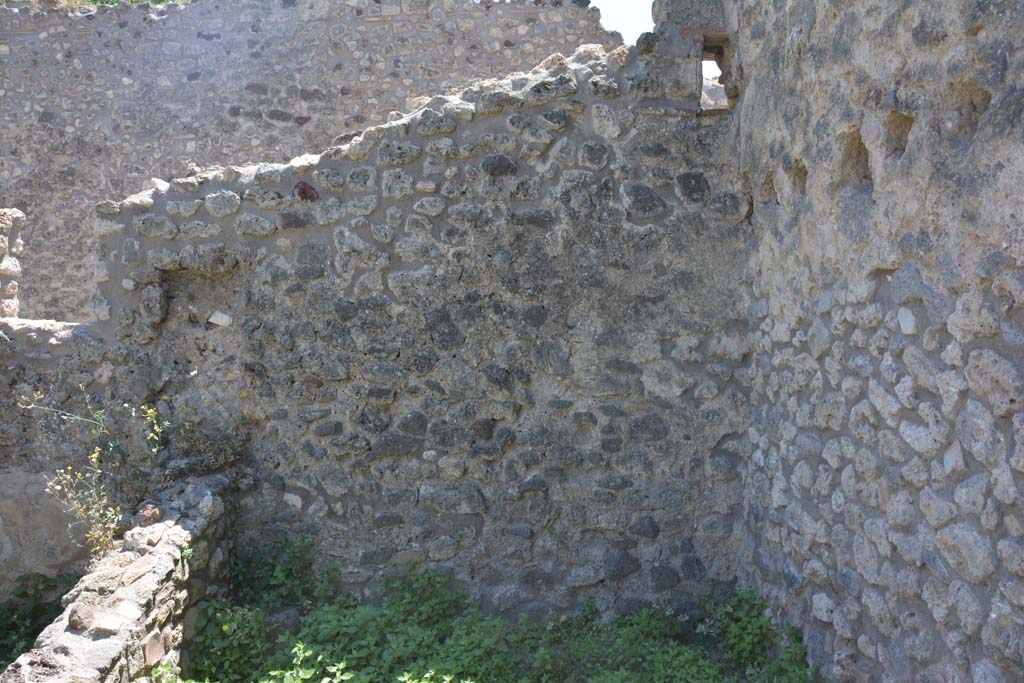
[[883, 145], [34, 535], [566, 336], [95, 101], [70, 365], [494, 336], [11, 248], [128, 613]]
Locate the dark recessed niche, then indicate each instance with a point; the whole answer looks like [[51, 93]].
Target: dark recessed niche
[[897, 126], [798, 176], [854, 172]]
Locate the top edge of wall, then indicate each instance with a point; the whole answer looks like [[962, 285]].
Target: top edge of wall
[[385, 7]]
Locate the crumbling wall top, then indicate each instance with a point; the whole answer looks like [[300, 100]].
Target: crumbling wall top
[[236, 82]]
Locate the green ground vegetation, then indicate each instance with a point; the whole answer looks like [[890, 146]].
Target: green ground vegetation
[[33, 604], [421, 631]]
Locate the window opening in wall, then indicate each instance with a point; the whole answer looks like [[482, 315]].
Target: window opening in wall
[[715, 73], [712, 94]]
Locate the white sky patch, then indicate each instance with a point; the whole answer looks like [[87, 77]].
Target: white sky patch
[[628, 17]]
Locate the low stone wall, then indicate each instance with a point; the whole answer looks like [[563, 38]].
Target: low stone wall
[[127, 614]]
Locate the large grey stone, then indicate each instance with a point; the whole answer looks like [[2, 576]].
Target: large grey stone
[[968, 552], [991, 375], [975, 428], [455, 497]]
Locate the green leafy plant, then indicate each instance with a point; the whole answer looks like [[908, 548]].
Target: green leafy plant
[[424, 598], [741, 629], [429, 677], [303, 670], [485, 648], [84, 493], [158, 427], [233, 642], [422, 631], [34, 603], [789, 666], [285, 582], [164, 673], [620, 676]]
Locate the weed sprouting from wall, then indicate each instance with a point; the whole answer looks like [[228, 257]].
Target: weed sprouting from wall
[[123, 469], [91, 488]]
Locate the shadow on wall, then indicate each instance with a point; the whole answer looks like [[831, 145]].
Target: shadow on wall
[[34, 530]]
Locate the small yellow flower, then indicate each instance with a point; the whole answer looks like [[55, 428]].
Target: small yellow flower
[[245, 394], [230, 375], [206, 400], [225, 628]]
